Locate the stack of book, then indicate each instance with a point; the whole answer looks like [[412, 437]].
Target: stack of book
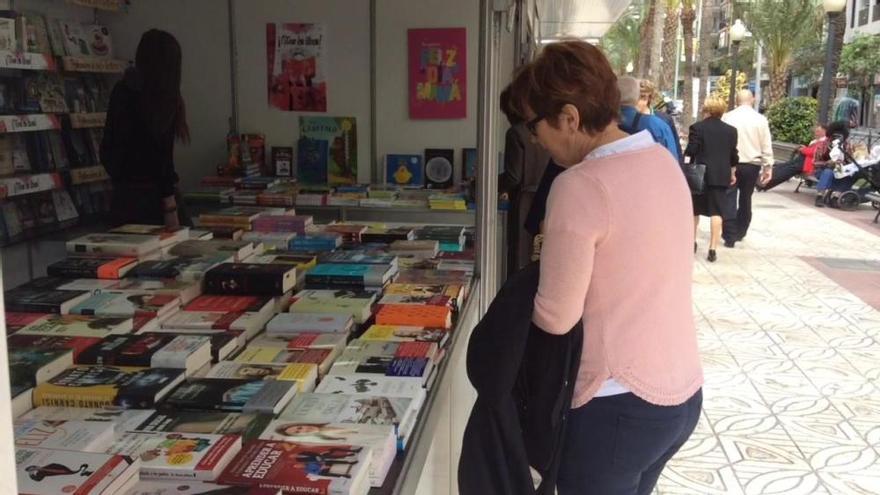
[[283, 223], [171, 356], [447, 202]]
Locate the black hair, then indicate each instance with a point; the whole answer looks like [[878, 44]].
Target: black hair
[[513, 117], [158, 62], [839, 129]]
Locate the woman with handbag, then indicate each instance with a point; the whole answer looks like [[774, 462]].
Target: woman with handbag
[[618, 262], [711, 148]]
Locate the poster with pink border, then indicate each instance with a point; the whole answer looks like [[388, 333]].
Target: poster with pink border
[[437, 73]]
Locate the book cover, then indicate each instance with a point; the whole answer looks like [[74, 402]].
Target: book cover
[[304, 374], [286, 324], [451, 291], [121, 419], [383, 386], [145, 350], [17, 321], [271, 240], [185, 291], [250, 279], [176, 456], [236, 395], [300, 468], [312, 156], [111, 304], [200, 320], [415, 315], [334, 342], [340, 134], [65, 210], [100, 41], [379, 438], [228, 304], [75, 38], [399, 333], [31, 366], [349, 274], [12, 220], [98, 386], [354, 409], [52, 342], [115, 244], [359, 258], [7, 35], [469, 161], [404, 171], [51, 472], [204, 422], [102, 268], [239, 250], [166, 487], [78, 326], [76, 435], [439, 168]]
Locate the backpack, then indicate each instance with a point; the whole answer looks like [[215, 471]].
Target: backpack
[[634, 128]]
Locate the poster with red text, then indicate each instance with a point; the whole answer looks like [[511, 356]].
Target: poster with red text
[[438, 73], [294, 67]]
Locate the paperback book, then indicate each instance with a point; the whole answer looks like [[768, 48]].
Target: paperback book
[[179, 456], [127, 305], [50, 472], [236, 395], [78, 326], [99, 386], [288, 324], [250, 279], [75, 435], [305, 375], [115, 244]]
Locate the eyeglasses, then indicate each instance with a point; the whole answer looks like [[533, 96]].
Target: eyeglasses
[[532, 125]]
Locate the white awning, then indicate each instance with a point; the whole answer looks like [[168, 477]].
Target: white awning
[[584, 19]]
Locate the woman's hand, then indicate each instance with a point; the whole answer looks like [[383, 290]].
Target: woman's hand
[[732, 177], [172, 220]]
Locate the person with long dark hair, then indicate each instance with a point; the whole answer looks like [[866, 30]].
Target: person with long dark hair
[[145, 117]]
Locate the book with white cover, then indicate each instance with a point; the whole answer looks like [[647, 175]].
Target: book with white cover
[[386, 386], [190, 352], [186, 291], [295, 323], [173, 455], [380, 438], [155, 487], [78, 326], [54, 472], [75, 435], [116, 244], [356, 409], [304, 374], [122, 419], [274, 240]]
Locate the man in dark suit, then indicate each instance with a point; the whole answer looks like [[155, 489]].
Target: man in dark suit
[[713, 143]]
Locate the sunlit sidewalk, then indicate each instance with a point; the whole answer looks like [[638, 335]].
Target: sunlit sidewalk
[[791, 351]]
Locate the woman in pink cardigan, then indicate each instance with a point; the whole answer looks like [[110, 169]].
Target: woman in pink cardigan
[[617, 253]]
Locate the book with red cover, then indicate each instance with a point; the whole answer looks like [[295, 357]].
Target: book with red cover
[[227, 304], [414, 315], [17, 321], [300, 468], [76, 344]]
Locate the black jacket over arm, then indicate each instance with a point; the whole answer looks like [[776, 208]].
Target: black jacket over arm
[[524, 379], [713, 143], [133, 154]]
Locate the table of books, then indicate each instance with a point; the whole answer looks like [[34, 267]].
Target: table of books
[[260, 351]]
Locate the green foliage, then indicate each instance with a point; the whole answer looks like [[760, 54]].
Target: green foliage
[[621, 43], [860, 59], [792, 119], [722, 86]]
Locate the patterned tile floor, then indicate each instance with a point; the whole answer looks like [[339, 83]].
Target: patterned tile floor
[[791, 358]]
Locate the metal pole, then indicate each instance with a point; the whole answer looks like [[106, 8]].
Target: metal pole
[[487, 174], [758, 76], [678, 43], [233, 67], [731, 101], [825, 89]]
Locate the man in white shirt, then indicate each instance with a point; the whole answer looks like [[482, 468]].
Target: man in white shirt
[[755, 149]]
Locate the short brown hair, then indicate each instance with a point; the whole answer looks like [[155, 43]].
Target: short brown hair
[[569, 72], [647, 90], [714, 106]]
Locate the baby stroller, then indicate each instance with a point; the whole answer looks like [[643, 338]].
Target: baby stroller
[[865, 175]]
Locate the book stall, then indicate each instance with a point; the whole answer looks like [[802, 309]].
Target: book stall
[[307, 333]]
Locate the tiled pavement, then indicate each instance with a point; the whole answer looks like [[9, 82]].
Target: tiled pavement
[[791, 352]]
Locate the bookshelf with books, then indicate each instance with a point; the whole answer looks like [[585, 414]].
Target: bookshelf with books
[[54, 92], [255, 357]]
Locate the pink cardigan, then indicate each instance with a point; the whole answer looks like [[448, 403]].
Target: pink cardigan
[[618, 253]]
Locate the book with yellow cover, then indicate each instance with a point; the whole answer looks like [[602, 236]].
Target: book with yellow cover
[[304, 374], [400, 333], [100, 386]]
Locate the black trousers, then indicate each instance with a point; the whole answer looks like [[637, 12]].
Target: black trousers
[[785, 171], [734, 229], [619, 445]]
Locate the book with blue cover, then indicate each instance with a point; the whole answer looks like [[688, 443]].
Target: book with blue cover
[[311, 161], [360, 275], [339, 138], [405, 171]]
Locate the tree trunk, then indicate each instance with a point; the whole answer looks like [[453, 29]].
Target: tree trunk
[[778, 79], [657, 40], [706, 29], [687, 28], [646, 33], [667, 80]]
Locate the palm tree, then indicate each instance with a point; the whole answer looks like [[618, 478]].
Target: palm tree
[[781, 26], [688, 15], [657, 40], [621, 43], [837, 48], [707, 29], [670, 41], [646, 35]]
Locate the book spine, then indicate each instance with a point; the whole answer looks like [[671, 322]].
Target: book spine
[[15, 307], [60, 399]]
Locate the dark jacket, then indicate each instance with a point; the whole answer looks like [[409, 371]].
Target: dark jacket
[[132, 151], [665, 117], [713, 143], [524, 379]]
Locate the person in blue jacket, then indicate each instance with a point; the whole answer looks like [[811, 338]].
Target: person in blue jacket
[[633, 121]]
